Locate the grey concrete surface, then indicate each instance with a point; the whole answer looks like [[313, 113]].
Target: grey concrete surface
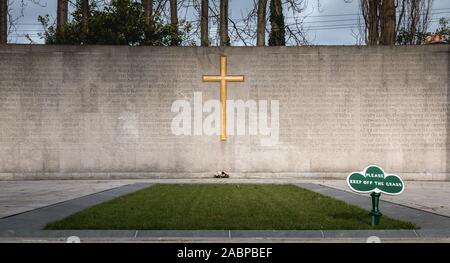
[[31, 223], [104, 112], [224, 240], [21, 196], [423, 219], [432, 197], [28, 226]]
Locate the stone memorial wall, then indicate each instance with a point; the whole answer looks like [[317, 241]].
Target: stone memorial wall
[[77, 112]]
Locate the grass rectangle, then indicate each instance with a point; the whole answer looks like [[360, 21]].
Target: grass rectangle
[[224, 206]]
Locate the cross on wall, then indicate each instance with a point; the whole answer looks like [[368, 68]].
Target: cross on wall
[[223, 78]]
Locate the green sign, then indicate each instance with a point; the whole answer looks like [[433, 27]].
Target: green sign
[[373, 179]]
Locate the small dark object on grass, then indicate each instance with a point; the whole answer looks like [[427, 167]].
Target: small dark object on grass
[[221, 175]]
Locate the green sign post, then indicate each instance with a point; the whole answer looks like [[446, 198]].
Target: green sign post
[[373, 180]]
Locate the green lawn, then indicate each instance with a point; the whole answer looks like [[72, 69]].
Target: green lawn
[[224, 206]]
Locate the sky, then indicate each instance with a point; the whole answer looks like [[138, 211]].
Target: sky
[[334, 22]]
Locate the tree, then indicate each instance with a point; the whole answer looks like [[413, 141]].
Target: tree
[[243, 29], [61, 15], [372, 21], [443, 30], [148, 9], [123, 22], [204, 27], [174, 12], [277, 33], [413, 21], [85, 16], [174, 22], [261, 23], [223, 27], [3, 21], [387, 21]]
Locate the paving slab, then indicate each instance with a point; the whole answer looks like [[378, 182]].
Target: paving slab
[[64, 234], [183, 233], [433, 233], [423, 219], [368, 233], [276, 234], [21, 196], [30, 224], [428, 196]]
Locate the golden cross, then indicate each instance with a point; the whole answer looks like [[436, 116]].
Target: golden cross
[[223, 79]]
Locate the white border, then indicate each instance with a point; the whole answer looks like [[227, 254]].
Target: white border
[[376, 190]]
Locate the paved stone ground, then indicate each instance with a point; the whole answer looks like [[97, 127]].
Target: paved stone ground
[[20, 196], [31, 223], [428, 196], [51, 196], [226, 240], [425, 220]]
